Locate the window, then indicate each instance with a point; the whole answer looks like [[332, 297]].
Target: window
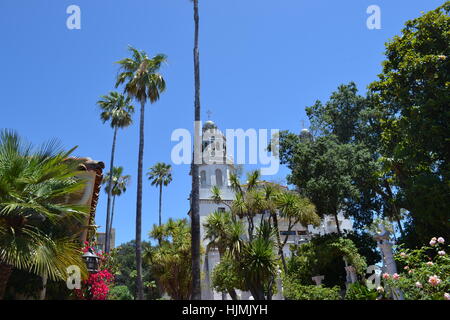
[[302, 233], [219, 178], [221, 209], [203, 178]]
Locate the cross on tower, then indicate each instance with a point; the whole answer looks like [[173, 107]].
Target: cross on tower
[[209, 113]]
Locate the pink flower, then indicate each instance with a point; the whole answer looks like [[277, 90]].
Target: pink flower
[[446, 296], [406, 268], [395, 276], [432, 242], [386, 275], [419, 285], [430, 263], [434, 280], [441, 240], [410, 271], [441, 253], [402, 254]]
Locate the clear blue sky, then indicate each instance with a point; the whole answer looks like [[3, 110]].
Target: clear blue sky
[[262, 62]]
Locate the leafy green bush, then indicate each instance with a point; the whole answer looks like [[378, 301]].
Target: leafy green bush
[[358, 291], [120, 293], [293, 290]]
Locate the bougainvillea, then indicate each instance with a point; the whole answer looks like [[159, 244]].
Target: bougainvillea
[[98, 284]]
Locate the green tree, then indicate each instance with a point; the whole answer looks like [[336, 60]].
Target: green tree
[[125, 263], [143, 83], [355, 120], [413, 96], [226, 235], [258, 263], [160, 175], [34, 214], [171, 260], [119, 183], [325, 170], [117, 110], [294, 209]]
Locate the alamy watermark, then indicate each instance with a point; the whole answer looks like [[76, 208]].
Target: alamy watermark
[[374, 20], [213, 147], [73, 22]]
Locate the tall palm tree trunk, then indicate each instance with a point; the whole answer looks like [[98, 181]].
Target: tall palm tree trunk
[[195, 205], [112, 214], [139, 286], [108, 207], [160, 205], [5, 273]]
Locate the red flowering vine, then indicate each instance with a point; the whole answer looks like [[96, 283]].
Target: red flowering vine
[[96, 287]]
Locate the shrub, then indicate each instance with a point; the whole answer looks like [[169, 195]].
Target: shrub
[[426, 272], [358, 291], [292, 290], [120, 293]]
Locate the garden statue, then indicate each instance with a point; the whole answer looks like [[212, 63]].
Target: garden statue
[[318, 280]]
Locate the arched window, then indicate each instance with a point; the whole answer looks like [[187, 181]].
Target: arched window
[[219, 178], [203, 178]]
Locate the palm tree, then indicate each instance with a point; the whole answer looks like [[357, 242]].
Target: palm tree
[[160, 175], [294, 209], [119, 186], [195, 194], [34, 214], [171, 260], [224, 234], [258, 263], [142, 82], [116, 109]]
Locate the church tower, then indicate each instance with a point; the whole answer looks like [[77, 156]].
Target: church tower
[[214, 171]]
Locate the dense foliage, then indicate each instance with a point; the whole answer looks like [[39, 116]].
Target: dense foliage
[[170, 261], [125, 270], [324, 255], [38, 228], [293, 290]]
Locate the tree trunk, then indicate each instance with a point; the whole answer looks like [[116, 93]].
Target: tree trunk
[[337, 224], [112, 215], [44, 288], [139, 286], [108, 206], [400, 226], [233, 294], [5, 273], [195, 206], [280, 246], [160, 204]]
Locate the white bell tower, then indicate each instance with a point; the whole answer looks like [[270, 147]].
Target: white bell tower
[[214, 171]]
